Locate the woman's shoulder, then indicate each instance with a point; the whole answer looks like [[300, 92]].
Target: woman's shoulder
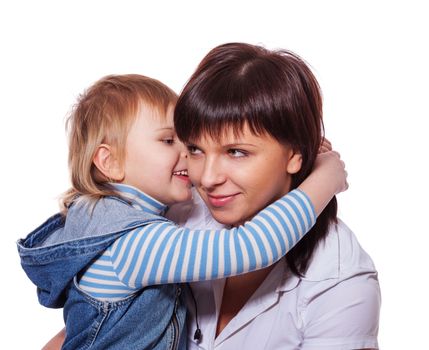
[[352, 255], [339, 256], [340, 293]]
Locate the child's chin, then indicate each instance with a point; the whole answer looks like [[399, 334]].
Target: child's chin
[[183, 197]]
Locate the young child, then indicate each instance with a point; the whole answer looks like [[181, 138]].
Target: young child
[[110, 258]]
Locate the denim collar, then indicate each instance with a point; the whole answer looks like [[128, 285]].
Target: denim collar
[[140, 200]]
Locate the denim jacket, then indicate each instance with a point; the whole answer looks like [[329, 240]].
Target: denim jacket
[[55, 253]]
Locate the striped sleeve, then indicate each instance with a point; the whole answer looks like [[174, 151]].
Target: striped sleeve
[[101, 281], [164, 253]]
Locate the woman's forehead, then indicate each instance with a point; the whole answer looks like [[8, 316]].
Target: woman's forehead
[[230, 135]]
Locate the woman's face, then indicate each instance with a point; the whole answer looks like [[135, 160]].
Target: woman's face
[[238, 176]]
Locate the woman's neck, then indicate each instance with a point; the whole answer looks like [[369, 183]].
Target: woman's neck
[[237, 292]]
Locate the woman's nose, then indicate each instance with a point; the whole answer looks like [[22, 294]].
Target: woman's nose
[[212, 174]]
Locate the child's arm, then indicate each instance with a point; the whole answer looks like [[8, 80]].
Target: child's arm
[[164, 253]]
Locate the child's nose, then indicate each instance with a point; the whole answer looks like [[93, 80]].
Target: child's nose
[[183, 150]]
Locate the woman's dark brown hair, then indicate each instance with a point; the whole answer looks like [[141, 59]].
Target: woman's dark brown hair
[[274, 93]]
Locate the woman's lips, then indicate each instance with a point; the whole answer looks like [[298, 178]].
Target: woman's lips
[[221, 200]]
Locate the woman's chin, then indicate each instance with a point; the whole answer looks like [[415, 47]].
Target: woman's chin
[[227, 218]]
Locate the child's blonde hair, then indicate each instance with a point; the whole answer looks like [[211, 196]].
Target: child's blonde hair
[[104, 113]]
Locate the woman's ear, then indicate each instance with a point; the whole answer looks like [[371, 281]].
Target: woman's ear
[[294, 163], [106, 162]]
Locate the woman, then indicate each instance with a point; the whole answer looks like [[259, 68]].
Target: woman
[[252, 121]]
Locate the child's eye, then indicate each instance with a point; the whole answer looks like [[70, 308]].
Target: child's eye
[[168, 141], [237, 153], [193, 150]]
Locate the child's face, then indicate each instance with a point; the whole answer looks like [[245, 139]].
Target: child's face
[[155, 160]]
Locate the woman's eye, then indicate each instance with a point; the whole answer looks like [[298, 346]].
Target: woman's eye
[[193, 150], [237, 153]]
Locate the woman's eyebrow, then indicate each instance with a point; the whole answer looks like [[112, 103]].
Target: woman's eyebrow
[[238, 144]]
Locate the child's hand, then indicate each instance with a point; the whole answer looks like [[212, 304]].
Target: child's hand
[[330, 169], [328, 178], [326, 146]]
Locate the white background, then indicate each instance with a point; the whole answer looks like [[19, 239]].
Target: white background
[[371, 59]]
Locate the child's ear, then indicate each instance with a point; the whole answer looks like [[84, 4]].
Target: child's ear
[[106, 162], [294, 163]]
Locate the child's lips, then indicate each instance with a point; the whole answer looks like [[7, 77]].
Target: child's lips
[[183, 178], [182, 175]]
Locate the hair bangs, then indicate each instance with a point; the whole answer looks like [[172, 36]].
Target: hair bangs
[[221, 103]]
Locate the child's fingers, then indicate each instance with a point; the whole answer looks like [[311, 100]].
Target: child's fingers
[[327, 142], [326, 146], [346, 184]]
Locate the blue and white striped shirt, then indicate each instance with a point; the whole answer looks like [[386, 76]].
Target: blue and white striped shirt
[[162, 252]]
